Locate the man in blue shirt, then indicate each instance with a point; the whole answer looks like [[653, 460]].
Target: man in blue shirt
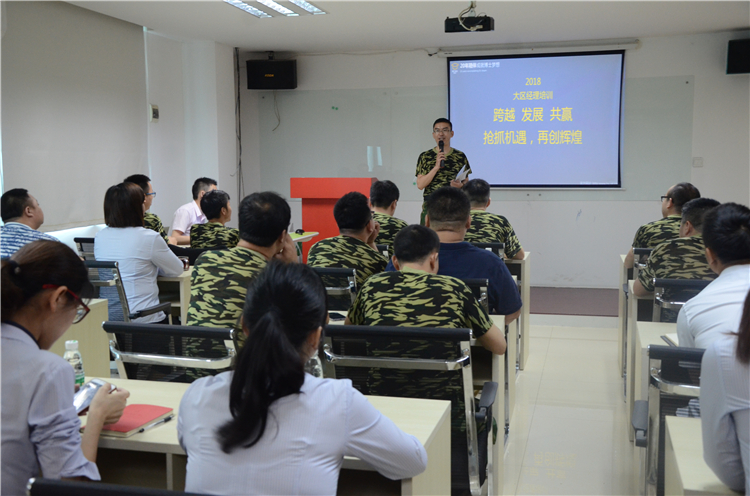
[[22, 217], [448, 214]]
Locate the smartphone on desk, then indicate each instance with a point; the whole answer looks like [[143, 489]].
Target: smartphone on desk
[[336, 316]]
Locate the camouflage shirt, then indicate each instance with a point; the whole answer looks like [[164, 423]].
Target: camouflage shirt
[[389, 227], [487, 227], [153, 222], [654, 233], [347, 252], [418, 299], [681, 258], [454, 161], [213, 235]]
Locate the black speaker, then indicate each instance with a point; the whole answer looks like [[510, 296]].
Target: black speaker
[[271, 74], [738, 57]]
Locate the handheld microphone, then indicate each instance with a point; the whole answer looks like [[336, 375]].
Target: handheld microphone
[[441, 146]]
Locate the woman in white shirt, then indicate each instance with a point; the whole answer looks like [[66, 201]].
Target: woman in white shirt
[[44, 286], [725, 405], [270, 428]]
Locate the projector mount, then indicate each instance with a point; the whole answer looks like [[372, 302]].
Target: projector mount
[[468, 20]]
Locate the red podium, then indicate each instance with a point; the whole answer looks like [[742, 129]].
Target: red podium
[[319, 195]]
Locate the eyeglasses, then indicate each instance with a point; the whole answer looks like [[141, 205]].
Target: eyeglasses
[[82, 309], [151, 194], [665, 198], [445, 130]]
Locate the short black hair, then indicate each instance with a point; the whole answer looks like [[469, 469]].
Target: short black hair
[[681, 193], [726, 230], [212, 203], [352, 212], [694, 211], [263, 217], [442, 119], [141, 180], [478, 191], [415, 243], [202, 184], [448, 208], [13, 202], [123, 205], [383, 193]]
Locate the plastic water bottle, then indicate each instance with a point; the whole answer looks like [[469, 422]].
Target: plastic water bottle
[[73, 356]]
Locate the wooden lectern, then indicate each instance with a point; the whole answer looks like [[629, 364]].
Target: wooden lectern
[[319, 195]]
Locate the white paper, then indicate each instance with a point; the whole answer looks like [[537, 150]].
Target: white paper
[[462, 174]]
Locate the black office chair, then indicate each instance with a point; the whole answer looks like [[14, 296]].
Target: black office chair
[[443, 355], [383, 249], [496, 248], [341, 286], [480, 289], [197, 341], [674, 389], [85, 247], [191, 253], [671, 294], [38, 486]]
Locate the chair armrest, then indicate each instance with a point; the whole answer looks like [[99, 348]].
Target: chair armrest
[[161, 307], [489, 392], [640, 423]]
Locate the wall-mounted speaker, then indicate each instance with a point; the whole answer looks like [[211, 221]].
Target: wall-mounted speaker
[[738, 57], [271, 74]]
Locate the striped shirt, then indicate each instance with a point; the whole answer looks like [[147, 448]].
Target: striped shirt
[[13, 235]]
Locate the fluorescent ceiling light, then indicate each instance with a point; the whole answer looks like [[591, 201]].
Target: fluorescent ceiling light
[[247, 8], [307, 6], [278, 8]]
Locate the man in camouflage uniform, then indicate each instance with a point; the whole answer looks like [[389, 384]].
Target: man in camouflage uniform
[[354, 247], [220, 277], [487, 227], [213, 234], [680, 258], [430, 175], [384, 198], [416, 296], [654, 233], [150, 220]]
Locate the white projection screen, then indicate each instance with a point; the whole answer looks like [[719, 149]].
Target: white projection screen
[[539, 121]]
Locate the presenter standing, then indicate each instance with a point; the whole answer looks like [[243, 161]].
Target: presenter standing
[[439, 166]]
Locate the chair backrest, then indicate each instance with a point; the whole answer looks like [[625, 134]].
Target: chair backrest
[[383, 249], [640, 259], [38, 486], [186, 251], [480, 289], [449, 360], [496, 248], [672, 294], [85, 247], [179, 336], [105, 276], [341, 286]]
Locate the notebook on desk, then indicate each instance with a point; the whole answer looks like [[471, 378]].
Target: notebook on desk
[[138, 418]]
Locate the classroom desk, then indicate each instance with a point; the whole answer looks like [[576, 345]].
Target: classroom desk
[[176, 290], [622, 313], [630, 384], [155, 459], [647, 334], [685, 472], [522, 270], [92, 341]]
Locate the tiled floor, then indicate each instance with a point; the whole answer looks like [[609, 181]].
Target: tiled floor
[[568, 435]]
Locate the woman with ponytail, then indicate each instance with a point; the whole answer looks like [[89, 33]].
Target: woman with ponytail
[[44, 289], [725, 405], [270, 428]]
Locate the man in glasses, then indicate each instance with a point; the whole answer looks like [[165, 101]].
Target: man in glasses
[[438, 167], [150, 220], [668, 227]]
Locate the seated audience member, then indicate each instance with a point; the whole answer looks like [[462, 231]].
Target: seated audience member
[[487, 227], [22, 217], [716, 310], [150, 220], [683, 257], [384, 198], [213, 234], [191, 213], [44, 287], [141, 253], [668, 227], [354, 247], [268, 427], [725, 405], [220, 278]]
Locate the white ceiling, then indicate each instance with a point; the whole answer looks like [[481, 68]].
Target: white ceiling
[[355, 26]]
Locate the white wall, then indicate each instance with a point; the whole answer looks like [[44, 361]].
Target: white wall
[[575, 243]]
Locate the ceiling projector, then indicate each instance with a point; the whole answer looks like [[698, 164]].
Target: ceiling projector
[[468, 24]]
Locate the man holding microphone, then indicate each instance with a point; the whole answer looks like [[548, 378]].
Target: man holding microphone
[[439, 166]]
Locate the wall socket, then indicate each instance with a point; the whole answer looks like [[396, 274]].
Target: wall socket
[[153, 113]]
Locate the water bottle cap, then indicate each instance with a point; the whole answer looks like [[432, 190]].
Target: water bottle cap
[[71, 345]]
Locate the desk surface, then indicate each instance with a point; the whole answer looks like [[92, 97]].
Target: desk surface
[[185, 275], [651, 332]]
